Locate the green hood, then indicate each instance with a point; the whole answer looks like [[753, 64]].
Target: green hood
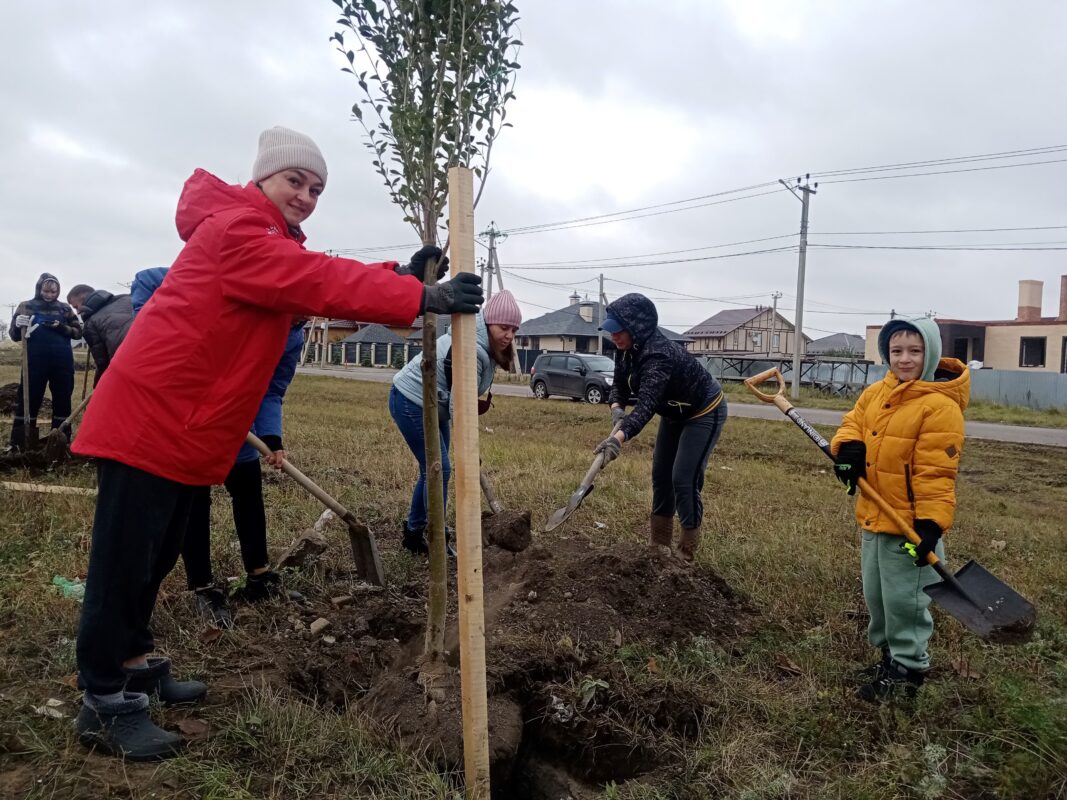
[[927, 328]]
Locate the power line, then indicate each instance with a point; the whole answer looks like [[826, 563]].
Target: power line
[[947, 230], [1030, 151], [1002, 248], [594, 261], [789, 249], [600, 220], [944, 171], [526, 228]]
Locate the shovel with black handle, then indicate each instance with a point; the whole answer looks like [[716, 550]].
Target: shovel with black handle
[[980, 601]]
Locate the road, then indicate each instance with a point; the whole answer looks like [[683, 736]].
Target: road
[[1051, 437]]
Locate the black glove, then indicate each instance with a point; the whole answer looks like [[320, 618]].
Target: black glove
[[850, 464], [485, 405], [461, 295], [617, 414], [417, 266], [930, 533], [610, 448]]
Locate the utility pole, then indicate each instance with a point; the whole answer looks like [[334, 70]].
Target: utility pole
[[798, 339], [600, 318], [492, 262], [774, 319]]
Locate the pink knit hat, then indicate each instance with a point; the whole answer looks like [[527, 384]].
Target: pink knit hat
[[501, 309]]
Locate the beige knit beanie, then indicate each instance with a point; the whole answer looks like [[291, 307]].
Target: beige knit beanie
[[281, 148]]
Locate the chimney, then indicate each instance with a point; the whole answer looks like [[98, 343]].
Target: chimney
[[585, 311], [1063, 298], [1029, 301], [577, 298]]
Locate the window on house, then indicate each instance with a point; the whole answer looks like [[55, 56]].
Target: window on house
[[1032, 351], [777, 342], [757, 340]]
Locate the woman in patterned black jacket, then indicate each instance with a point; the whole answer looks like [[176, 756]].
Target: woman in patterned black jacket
[[660, 377]]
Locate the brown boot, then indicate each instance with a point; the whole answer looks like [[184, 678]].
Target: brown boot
[[660, 530], [688, 544]]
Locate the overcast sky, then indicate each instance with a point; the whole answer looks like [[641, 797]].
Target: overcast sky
[[109, 106]]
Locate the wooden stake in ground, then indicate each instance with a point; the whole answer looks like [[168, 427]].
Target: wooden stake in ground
[[468, 497]]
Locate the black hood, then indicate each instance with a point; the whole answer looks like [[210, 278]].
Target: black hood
[[638, 314], [95, 302], [45, 276]]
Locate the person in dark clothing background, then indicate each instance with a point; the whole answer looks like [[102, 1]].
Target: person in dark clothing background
[[106, 318], [665, 380], [48, 327]]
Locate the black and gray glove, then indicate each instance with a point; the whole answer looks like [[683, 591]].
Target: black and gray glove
[[417, 265], [610, 448], [617, 413], [461, 295]]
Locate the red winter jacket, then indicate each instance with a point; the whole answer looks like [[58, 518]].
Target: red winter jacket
[[182, 391]]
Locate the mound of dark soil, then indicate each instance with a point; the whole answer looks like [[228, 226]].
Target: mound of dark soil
[[565, 712], [9, 393]]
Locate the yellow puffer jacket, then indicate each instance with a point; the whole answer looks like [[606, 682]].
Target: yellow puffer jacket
[[914, 436]]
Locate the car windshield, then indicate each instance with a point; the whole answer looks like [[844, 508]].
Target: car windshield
[[600, 364]]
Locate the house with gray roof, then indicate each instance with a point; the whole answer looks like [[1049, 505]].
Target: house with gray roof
[[743, 331], [838, 344], [374, 343], [572, 329]]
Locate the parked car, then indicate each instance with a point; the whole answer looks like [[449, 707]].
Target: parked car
[[580, 375]]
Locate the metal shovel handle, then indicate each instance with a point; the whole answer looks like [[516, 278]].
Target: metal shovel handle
[[598, 463]]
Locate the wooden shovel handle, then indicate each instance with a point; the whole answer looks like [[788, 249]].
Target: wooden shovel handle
[[74, 414], [312, 488]]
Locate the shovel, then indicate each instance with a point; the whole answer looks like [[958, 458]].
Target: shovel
[[29, 431], [980, 601], [561, 515], [55, 446], [490, 494], [364, 548]]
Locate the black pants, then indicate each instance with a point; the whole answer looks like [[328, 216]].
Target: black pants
[[678, 464], [245, 485], [137, 535], [51, 368]]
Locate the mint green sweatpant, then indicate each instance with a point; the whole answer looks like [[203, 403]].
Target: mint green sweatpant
[[899, 608]]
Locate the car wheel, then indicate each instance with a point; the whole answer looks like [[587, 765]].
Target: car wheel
[[540, 391], [594, 395]]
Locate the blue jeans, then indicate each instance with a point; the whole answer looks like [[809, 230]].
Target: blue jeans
[[408, 418]]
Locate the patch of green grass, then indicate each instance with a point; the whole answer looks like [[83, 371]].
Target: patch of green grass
[[781, 720]]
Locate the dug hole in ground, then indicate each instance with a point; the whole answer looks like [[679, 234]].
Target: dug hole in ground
[[562, 721]]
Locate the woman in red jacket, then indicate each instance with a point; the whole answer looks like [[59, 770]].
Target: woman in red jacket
[[173, 408]]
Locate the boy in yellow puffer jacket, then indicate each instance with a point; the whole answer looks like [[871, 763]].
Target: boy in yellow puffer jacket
[[905, 435]]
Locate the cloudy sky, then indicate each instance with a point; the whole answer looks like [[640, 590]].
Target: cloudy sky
[[109, 106]]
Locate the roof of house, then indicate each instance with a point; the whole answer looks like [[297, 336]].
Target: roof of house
[[998, 322], [373, 334], [724, 322], [836, 343], [443, 321], [568, 321]]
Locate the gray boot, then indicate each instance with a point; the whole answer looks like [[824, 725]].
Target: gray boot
[[660, 530], [124, 729], [688, 544], [156, 679]]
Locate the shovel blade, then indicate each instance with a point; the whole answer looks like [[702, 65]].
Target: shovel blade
[[1001, 614], [560, 515]]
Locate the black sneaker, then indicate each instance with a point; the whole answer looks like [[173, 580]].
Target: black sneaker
[[874, 672], [211, 603], [896, 682], [261, 587]]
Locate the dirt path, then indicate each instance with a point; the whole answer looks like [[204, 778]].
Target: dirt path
[[1051, 437]]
